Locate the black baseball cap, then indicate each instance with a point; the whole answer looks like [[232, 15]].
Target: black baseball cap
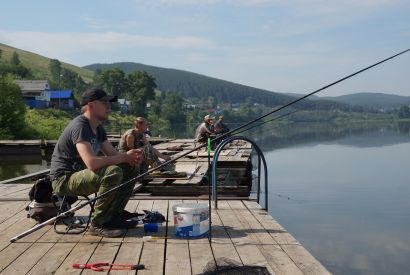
[[93, 94]]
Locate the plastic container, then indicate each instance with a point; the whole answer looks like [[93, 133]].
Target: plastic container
[[191, 220], [150, 227]]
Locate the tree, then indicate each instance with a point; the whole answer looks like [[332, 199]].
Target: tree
[[113, 81], [55, 69], [171, 108], [140, 89], [1, 53], [15, 60], [12, 109], [404, 112]]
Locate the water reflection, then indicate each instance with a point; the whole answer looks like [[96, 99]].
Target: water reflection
[[353, 134], [14, 166], [350, 202]]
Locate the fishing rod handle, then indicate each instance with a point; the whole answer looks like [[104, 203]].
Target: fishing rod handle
[[33, 229], [49, 221]]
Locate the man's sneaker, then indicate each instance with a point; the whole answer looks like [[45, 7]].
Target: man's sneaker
[[105, 231]]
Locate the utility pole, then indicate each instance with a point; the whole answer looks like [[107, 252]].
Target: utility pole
[[59, 91]]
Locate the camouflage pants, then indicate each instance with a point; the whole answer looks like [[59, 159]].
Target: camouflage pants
[[86, 182], [151, 160]]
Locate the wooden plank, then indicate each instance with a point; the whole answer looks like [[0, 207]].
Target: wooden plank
[[219, 233], [12, 252], [9, 209], [104, 253], [225, 250], [250, 255], [7, 191], [253, 227], [153, 258], [279, 233], [129, 253], [278, 260], [52, 260], [28, 259], [21, 224], [177, 259], [200, 255], [80, 254], [304, 260], [235, 229]]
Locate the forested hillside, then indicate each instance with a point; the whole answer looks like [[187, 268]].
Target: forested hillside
[[373, 100], [192, 85]]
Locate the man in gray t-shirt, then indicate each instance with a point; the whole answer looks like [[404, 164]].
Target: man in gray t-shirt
[[78, 168]]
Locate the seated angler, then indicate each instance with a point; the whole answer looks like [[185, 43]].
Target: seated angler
[[136, 138], [205, 130], [78, 168]]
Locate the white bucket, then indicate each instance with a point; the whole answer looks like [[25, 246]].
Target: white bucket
[[191, 220]]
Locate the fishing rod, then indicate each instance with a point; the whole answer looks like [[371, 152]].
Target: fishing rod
[[79, 206], [267, 121]]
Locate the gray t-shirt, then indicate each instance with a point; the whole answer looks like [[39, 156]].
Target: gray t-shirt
[[65, 156]]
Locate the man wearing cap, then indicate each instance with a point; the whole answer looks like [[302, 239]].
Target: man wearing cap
[[220, 127], [78, 168], [205, 129]]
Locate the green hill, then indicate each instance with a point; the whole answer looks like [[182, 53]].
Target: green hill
[[39, 64], [373, 100], [192, 85]]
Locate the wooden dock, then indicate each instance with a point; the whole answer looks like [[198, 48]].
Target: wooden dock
[[241, 231], [234, 170], [25, 147]]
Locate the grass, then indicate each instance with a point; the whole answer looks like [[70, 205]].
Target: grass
[[39, 64]]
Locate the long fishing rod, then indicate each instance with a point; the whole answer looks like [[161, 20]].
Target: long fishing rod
[[72, 210]]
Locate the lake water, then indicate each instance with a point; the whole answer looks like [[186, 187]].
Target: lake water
[[341, 190], [346, 197]]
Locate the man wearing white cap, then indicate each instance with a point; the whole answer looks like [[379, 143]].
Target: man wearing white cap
[[205, 129]]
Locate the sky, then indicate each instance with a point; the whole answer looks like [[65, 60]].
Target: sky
[[289, 46]]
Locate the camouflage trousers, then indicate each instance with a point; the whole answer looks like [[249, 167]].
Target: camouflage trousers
[[86, 182], [151, 160]]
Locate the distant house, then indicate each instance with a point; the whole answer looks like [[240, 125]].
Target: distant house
[[62, 99], [34, 92], [124, 104]]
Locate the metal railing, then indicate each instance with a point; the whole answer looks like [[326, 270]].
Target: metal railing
[[260, 157]]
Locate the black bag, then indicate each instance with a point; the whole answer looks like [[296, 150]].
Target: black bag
[[44, 204]]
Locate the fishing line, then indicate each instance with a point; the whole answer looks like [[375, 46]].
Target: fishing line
[[267, 121], [72, 210]]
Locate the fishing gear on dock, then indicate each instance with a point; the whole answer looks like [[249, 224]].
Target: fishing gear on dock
[[232, 132], [108, 266]]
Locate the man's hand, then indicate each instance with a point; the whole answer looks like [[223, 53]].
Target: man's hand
[[134, 157]]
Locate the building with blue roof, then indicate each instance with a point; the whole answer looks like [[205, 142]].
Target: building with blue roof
[[62, 99]]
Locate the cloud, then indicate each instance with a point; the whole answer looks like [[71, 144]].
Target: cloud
[[63, 44]]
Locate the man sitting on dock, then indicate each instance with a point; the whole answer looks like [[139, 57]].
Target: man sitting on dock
[[205, 129], [78, 168], [136, 138]]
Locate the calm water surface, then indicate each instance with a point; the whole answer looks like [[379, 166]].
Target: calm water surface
[[342, 191], [347, 200]]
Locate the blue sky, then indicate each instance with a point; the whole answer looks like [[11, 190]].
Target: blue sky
[[284, 46]]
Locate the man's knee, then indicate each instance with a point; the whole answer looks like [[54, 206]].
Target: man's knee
[[113, 174]]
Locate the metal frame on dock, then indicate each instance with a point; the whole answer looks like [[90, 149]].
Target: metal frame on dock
[[260, 156]]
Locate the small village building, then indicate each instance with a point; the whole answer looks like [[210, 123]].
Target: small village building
[[34, 92], [62, 99], [125, 105], [37, 94]]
